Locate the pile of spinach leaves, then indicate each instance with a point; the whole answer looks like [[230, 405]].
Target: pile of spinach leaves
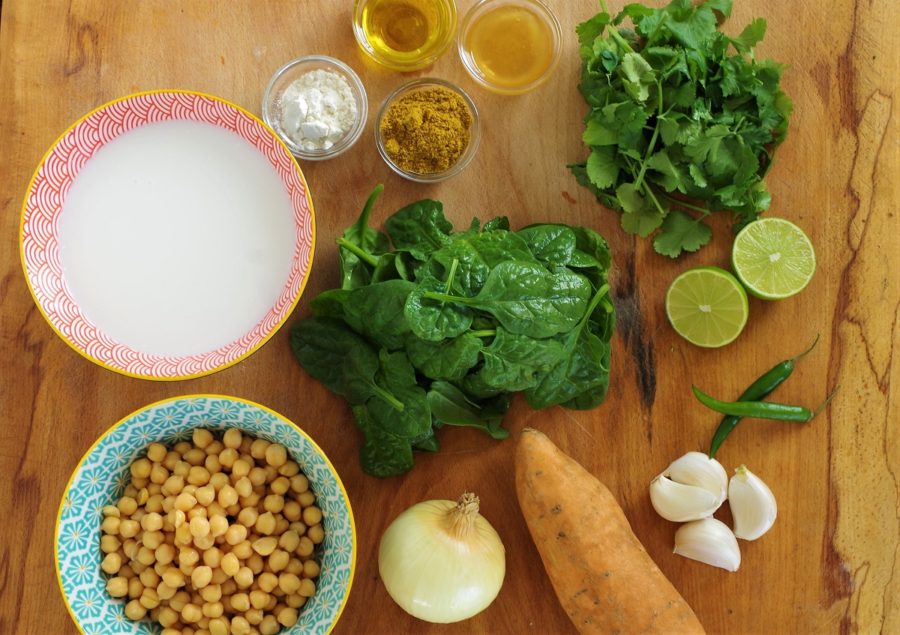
[[432, 327], [684, 120]]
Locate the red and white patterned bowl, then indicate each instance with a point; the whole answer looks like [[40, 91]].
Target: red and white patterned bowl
[[44, 204]]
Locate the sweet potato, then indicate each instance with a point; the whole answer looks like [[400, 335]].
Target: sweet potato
[[604, 578]]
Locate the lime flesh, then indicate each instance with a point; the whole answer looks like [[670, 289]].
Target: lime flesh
[[707, 306], [773, 258]]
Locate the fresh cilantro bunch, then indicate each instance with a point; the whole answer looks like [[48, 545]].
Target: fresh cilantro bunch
[[433, 327], [683, 122]]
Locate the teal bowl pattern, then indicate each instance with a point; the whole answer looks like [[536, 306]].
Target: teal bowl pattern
[[103, 472]]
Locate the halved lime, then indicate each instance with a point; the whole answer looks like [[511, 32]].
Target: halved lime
[[773, 258], [707, 306]]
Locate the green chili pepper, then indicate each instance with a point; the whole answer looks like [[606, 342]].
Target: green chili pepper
[[761, 409], [757, 391]]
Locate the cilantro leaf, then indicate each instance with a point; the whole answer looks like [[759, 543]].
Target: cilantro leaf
[[602, 168], [752, 35], [681, 233]]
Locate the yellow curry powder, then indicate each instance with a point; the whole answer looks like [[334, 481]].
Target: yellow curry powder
[[427, 130]]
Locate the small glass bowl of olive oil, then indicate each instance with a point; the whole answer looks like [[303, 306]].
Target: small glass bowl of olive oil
[[404, 35], [510, 46]]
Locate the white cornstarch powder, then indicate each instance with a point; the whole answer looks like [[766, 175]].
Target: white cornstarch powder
[[318, 109]]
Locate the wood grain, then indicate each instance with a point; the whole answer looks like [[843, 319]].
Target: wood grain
[[831, 562]]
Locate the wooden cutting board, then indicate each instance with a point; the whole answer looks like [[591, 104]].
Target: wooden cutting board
[[831, 562]]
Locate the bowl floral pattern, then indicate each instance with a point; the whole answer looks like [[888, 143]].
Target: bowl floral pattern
[[101, 477]]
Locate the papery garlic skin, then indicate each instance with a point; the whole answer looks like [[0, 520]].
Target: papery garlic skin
[[709, 541], [752, 503], [692, 487]]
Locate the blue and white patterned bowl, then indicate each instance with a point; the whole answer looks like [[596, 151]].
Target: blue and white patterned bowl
[[103, 472]]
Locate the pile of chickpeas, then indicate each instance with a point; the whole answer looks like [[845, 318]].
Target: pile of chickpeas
[[214, 536]]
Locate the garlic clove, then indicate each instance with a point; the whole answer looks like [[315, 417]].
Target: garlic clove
[[679, 502], [752, 503], [696, 468], [709, 541], [692, 487]]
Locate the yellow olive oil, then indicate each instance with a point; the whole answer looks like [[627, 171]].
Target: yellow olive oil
[[511, 45], [404, 31]]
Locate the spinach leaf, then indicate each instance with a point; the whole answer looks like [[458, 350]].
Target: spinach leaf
[[449, 359], [552, 245], [330, 303], [583, 366], [359, 247], [341, 359], [419, 228], [450, 406], [515, 362], [527, 299], [435, 320], [397, 377], [383, 454], [376, 311]]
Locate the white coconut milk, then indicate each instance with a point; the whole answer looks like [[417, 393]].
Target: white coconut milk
[[176, 238]]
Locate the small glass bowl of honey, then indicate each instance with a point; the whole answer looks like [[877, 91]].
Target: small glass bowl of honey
[[404, 35], [510, 46]]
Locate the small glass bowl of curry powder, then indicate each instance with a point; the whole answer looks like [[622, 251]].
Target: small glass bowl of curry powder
[[427, 130]]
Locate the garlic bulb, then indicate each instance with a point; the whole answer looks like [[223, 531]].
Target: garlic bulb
[[691, 488], [709, 541], [752, 504], [441, 561]]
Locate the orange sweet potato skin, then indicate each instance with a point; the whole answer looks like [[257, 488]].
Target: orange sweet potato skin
[[604, 578]]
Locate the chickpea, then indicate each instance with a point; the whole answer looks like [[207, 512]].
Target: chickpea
[[146, 556], [220, 626], [215, 447], [135, 588], [257, 477], [267, 581], [211, 593], [201, 437], [274, 503], [240, 626], [198, 475], [212, 557], [265, 546], [307, 588], [244, 577], [240, 469], [230, 564], [182, 446], [287, 616], [183, 534], [227, 457], [248, 517], [205, 495], [173, 485], [218, 480], [232, 438], [201, 576], [127, 505], [243, 550], [289, 469], [182, 468], [180, 600], [204, 542], [211, 463], [153, 539], [289, 583], [191, 613], [279, 560], [305, 548], [240, 602], [158, 474], [110, 525], [295, 566], [243, 487], [165, 592], [151, 522], [149, 578], [165, 553], [255, 563], [258, 448], [299, 484], [228, 588], [316, 534], [236, 533], [213, 609], [109, 544], [185, 502], [141, 468], [289, 541], [259, 599], [311, 569], [265, 524], [295, 601], [254, 616], [276, 455], [269, 625], [188, 556], [200, 526], [306, 499], [219, 576], [227, 496], [149, 599], [167, 616], [218, 525], [117, 587], [134, 610]]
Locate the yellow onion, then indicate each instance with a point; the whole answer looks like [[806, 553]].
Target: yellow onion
[[441, 561]]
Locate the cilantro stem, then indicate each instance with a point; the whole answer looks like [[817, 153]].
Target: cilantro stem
[[652, 145], [677, 201], [649, 192], [361, 253]]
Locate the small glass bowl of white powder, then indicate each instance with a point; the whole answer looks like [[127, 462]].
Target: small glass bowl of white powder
[[317, 105]]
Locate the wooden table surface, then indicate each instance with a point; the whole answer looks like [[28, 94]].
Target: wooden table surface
[[830, 564]]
